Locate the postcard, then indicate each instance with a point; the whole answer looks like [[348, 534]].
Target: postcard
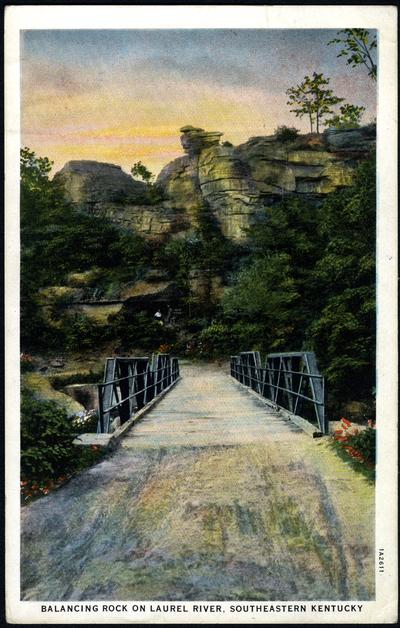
[[201, 381]]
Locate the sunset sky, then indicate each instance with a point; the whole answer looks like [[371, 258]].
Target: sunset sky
[[120, 96]]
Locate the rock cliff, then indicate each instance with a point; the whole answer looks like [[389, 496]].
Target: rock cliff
[[238, 182], [235, 182]]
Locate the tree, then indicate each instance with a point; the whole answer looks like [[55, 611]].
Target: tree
[[34, 170], [139, 170], [349, 117], [264, 296], [57, 239], [313, 99], [276, 289], [358, 48], [343, 330]]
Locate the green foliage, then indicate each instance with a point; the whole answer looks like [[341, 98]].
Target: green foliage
[[286, 133], [365, 443], [205, 251], [139, 170], [309, 284], [357, 447], [179, 257], [349, 117], [358, 46], [313, 99], [80, 332], [277, 289], [265, 292], [46, 439], [224, 338], [26, 363], [57, 240], [344, 331], [139, 330], [34, 170], [216, 339]]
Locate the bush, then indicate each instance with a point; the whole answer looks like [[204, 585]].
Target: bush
[[139, 330], [286, 133], [48, 457], [46, 439], [81, 332], [359, 446], [365, 444]]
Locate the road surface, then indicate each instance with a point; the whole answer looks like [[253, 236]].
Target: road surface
[[211, 496]]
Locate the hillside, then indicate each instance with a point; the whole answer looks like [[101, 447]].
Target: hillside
[[238, 247]]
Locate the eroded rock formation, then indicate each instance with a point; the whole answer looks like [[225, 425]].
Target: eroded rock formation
[[238, 182], [235, 182]]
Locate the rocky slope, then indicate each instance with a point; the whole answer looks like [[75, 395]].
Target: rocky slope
[[236, 182]]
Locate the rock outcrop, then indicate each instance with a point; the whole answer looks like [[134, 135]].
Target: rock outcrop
[[105, 189], [92, 183], [236, 183]]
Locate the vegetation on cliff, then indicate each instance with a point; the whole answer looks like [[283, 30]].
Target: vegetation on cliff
[[304, 280], [310, 284], [56, 240]]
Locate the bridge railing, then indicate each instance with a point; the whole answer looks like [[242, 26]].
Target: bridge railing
[[290, 381], [131, 383]]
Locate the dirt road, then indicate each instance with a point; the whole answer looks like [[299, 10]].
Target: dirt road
[[210, 497]]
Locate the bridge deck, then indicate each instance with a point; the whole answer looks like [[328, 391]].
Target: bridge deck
[[209, 408], [211, 496]]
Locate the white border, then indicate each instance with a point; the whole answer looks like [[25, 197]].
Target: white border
[[379, 17]]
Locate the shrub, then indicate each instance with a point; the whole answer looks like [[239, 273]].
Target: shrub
[[360, 445], [140, 330], [215, 340], [81, 332], [46, 439], [286, 133], [48, 457]]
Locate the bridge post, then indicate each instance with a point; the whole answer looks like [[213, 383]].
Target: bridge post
[[141, 368], [124, 407]]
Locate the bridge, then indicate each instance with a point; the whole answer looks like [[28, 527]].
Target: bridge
[[216, 493]]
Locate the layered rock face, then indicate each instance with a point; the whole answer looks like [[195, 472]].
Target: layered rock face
[[105, 189], [236, 183]]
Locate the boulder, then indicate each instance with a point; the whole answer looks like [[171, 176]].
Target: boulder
[[351, 140], [43, 391], [85, 394], [153, 222], [194, 140], [90, 183]]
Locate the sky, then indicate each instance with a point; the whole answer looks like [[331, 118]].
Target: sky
[[121, 96]]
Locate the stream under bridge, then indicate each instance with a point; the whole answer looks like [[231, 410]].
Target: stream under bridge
[[212, 495]]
